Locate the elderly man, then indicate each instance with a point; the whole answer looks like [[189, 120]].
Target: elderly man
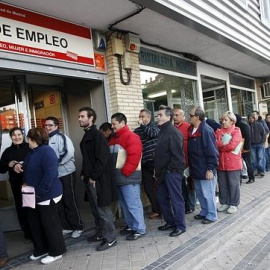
[[169, 167], [187, 184], [203, 161], [148, 132]]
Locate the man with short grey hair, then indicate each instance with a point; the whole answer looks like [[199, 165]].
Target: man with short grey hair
[[203, 161]]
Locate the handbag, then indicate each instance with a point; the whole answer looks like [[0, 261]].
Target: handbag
[[121, 160], [28, 197]]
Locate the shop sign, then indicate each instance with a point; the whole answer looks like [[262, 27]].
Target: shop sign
[[164, 61], [34, 34]]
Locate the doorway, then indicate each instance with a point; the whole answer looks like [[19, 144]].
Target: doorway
[[214, 97], [26, 100]]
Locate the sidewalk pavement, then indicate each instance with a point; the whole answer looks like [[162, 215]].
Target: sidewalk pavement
[[238, 241]]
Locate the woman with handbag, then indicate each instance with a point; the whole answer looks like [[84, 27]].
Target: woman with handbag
[[41, 172], [16, 153]]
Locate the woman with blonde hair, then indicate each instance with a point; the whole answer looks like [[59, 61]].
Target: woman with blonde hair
[[229, 142]]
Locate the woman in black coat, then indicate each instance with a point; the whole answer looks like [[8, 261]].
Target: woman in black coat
[[12, 155]]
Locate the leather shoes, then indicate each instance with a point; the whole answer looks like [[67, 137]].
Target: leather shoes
[[166, 227], [199, 217], [207, 221], [176, 232], [250, 181]]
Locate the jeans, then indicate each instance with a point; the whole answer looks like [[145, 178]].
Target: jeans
[[267, 155], [3, 247], [130, 201], [171, 201], [258, 157], [205, 191]]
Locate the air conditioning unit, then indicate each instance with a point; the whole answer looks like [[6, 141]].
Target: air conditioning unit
[[266, 90]]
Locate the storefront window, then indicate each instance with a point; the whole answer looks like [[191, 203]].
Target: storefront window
[[168, 90], [242, 101]]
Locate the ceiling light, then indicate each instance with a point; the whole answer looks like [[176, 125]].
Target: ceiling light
[[160, 94]]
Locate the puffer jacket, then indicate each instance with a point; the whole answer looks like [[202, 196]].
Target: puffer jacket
[[229, 161], [129, 141]]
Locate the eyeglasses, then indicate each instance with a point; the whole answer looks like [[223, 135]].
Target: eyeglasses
[[48, 125], [191, 115]]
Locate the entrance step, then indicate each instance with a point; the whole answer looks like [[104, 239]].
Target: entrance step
[[228, 243]]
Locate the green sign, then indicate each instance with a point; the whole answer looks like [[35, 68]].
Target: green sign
[[164, 61]]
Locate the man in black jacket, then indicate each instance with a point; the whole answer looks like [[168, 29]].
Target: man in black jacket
[[258, 137], [97, 178], [245, 130], [169, 168]]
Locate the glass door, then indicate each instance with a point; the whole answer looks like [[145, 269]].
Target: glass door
[[13, 113]]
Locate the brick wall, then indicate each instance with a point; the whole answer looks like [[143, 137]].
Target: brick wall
[[126, 99]]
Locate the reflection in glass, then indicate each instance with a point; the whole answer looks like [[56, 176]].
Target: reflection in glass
[[214, 97], [242, 101], [169, 90]]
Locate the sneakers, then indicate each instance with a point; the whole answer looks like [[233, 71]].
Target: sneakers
[[94, 238], [232, 209], [65, 232], [76, 233], [134, 236], [34, 258], [50, 259], [106, 245], [126, 231], [223, 207]]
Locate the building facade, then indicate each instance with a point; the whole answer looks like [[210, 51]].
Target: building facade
[[56, 57]]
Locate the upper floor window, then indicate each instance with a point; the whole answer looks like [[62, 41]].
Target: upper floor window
[[265, 11]]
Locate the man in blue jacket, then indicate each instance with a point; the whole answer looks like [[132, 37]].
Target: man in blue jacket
[[203, 161]]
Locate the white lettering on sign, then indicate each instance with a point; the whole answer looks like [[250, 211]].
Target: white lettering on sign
[[25, 32]]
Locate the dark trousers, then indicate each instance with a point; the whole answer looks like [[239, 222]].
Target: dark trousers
[[149, 185], [185, 194], [229, 187], [171, 200], [46, 230], [247, 158], [21, 211], [103, 215], [68, 210]]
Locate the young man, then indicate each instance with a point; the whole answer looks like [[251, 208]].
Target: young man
[[128, 178], [63, 147], [97, 178]]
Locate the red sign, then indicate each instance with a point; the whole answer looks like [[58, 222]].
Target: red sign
[[52, 99], [26, 32]]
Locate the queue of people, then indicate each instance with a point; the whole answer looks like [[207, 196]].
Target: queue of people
[[175, 163]]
